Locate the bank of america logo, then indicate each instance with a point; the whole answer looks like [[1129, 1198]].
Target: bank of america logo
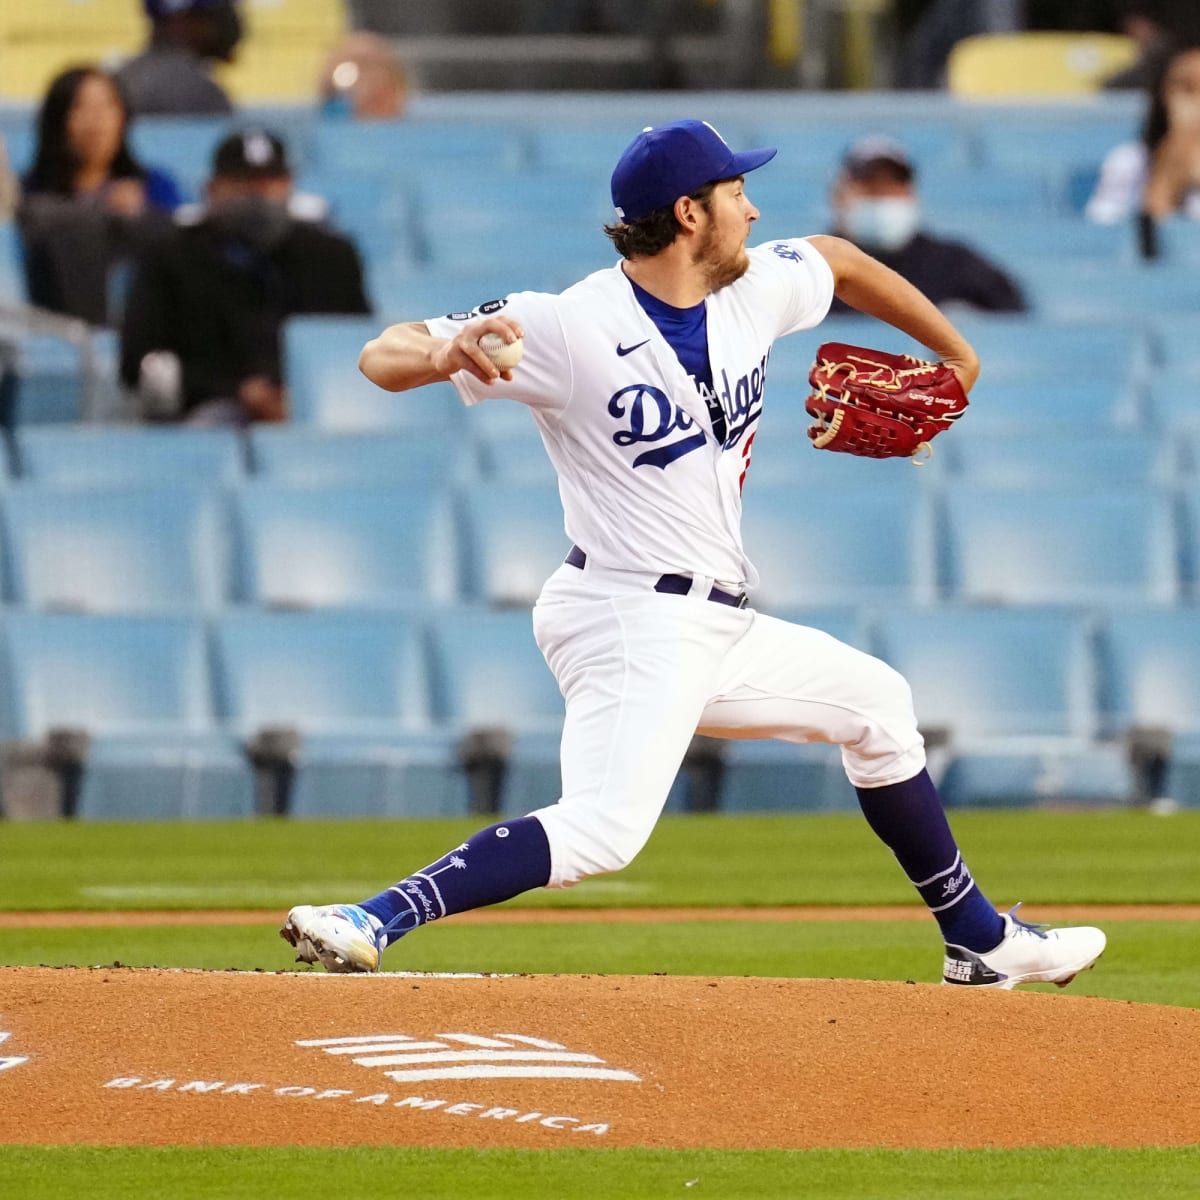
[[469, 1056]]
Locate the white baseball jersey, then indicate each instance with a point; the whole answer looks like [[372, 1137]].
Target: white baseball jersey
[[645, 485]]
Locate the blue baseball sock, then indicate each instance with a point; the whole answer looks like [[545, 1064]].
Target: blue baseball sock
[[908, 817], [495, 864]]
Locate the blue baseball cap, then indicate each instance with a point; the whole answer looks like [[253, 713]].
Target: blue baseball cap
[[665, 162]]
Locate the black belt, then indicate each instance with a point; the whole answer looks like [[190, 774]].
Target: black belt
[[674, 585]]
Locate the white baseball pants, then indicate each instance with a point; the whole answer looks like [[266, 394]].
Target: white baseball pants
[[641, 672]]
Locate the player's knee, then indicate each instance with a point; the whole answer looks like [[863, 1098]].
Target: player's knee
[[584, 843]]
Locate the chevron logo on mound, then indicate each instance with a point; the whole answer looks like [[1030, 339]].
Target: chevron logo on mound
[[469, 1056]]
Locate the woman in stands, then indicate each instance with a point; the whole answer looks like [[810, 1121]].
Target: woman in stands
[[1158, 176], [87, 203]]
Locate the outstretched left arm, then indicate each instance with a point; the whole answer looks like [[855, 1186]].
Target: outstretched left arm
[[866, 284]]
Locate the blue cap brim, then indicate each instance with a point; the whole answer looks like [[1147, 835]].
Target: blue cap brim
[[749, 160]]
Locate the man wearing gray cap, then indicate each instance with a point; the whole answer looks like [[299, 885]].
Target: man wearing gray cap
[[876, 206], [171, 76]]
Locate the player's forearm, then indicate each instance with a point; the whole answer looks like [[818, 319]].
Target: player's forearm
[[866, 284], [404, 356]]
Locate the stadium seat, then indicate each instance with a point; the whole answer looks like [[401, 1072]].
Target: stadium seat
[[328, 391], [1035, 62], [1176, 339], [514, 540], [410, 147], [1061, 456], [1060, 288], [117, 550], [353, 689], [1092, 546], [1151, 663], [1014, 690], [514, 453], [389, 547], [1174, 404], [473, 649], [182, 146], [140, 689], [1015, 412], [999, 672], [41, 379], [811, 148], [516, 723], [774, 776], [858, 548], [95, 456], [300, 456]]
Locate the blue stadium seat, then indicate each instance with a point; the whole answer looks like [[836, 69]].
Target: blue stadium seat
[[1017, 412], [134, 549], [515, 540], [1174, 402], [512, 452], [1151, 660], [328, 390], [1063, 456], [182, 146], [301, 456], [1059, 288], [490, 677], [106, 455], [774, 776], [355, 688], [489, 673], [1092, 546], [858, 548], [1012, 235], [1176, 338], [1009, 143], [554, 254], [935, 145], [998, 672], [450, 197], [12, 278], [410, 147], [351, 547], [140, 687], [1025, 347], [1015, 690], [41, 379]]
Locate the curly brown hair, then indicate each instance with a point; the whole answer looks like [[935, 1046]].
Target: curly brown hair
[[654, 232]]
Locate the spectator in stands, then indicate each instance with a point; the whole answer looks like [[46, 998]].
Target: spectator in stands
[[876, 206], [1159, 175], [1158, 27], [214, 295], [171, 76], [88, 205], [364, 78]]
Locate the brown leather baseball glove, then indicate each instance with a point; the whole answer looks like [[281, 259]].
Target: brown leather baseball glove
[[879, 405]]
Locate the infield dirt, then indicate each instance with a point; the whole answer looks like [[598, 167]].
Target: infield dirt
[[151, 1057]]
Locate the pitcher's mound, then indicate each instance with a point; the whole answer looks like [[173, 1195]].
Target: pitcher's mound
[[148, 1057]]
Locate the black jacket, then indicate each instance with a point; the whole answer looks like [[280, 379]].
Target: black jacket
[[950, 272], [219, 303]]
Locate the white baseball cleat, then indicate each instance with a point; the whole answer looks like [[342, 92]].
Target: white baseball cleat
[[342, 937], [1026, 954]]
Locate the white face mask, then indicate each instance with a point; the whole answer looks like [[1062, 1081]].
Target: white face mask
[[886, 222]]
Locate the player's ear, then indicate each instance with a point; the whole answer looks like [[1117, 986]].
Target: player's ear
[[685, 212]]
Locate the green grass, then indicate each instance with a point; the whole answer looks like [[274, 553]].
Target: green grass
[[365, 1174], [1041, 857], [1149, 961], [1048, 857]]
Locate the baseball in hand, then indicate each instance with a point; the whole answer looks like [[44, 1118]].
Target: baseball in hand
[[504, 354]]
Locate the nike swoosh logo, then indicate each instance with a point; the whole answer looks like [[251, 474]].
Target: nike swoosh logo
[[624, 350]]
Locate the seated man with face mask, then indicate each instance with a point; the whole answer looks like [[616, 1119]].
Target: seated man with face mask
[[207, 303], [875, 206]]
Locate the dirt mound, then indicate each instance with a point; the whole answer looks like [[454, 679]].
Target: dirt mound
[[148, 1057]]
